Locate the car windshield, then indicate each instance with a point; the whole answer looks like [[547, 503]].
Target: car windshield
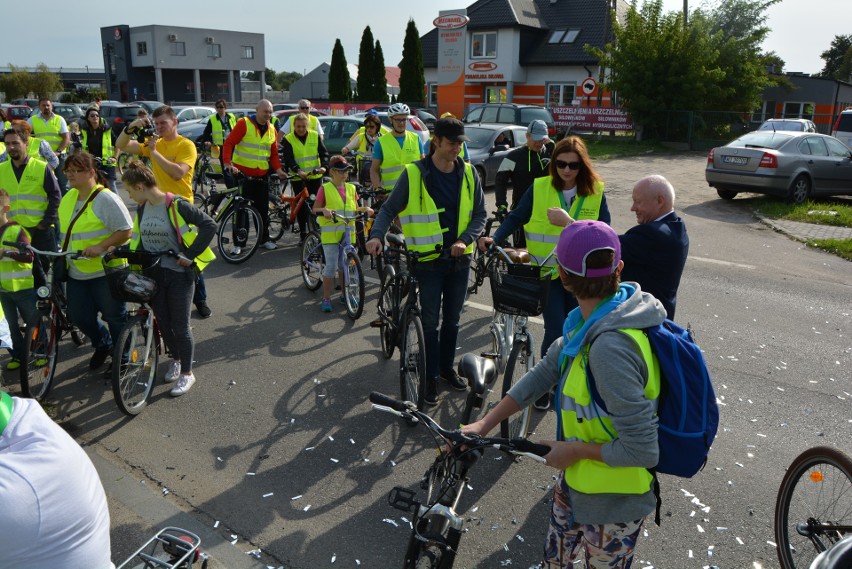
[[479, 137], [782, 125], [762, 139], [530, 114]]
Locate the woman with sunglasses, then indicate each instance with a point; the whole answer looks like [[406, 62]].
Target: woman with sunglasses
[[363, 140], [572, 190]]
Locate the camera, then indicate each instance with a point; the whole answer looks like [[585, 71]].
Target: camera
[[144, 133]]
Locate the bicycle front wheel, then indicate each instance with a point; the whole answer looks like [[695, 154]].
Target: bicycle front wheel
[[134, 365], [388, 308], [353, 294], [412, 360], [313, 260], [201, 186], [521, 360], [39, 354], [278, 219], [813, 510], [239, 234]]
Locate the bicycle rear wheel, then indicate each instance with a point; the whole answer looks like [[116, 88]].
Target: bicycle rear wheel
[[39, 354], [521, 360], [353, 293], [412, 359], [388, 309], [239, 234], [279, 218], [813, 510], [201, 186], [134, 365], [313, 260]]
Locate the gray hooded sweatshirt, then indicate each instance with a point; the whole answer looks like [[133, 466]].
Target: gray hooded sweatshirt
[[620, 375]]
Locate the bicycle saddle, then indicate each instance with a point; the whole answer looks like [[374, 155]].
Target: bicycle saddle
[[395, 240], [477, 370], [518, 256], [215, 176]]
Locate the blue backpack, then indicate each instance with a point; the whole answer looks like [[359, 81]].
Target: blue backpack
[[687, 410]]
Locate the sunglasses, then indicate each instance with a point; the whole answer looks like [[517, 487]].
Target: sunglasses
[[561, 165], [304, 108], [220, 106]]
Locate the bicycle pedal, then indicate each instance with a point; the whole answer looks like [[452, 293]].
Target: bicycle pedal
[[376, 324], [489, 355], [403, 499]]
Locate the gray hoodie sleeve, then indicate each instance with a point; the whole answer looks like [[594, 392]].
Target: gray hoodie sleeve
[[540, 379], [203, 222]]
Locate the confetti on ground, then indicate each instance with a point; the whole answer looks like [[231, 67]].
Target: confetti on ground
[[165, 491], [268, 495], [219, 458], [254, 553], [310, 448], [352, 441], [216, 524], [519, 538], [740, 541], [700, 529], [391, 522], [296, 497], [306, 508], [331, 438], [333, 557], [334, 460], [249, 473]]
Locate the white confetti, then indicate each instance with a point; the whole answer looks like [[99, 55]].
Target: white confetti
[[521, 539], [334, 460], [249, 473], [331, 438], [333, 557], [700, 529], [310, 448], [740, 541], [306, 508], [391, 522], [296, 497], [352, 441], [216, 524], [165, 491], [268, 495], [219, 458], [689, 553]]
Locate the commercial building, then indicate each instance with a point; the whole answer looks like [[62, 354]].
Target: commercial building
[[819, 99], [314, 84], [174, 64]]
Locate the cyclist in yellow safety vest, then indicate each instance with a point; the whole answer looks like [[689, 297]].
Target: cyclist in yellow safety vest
[[92, 219], [441, 206], [335, 197], [96, 138], [305, 154], [464, 155], [605, 489], [165, 222], [363, 141], [305, 108], [17, 293], [217, 130], [36, 147], [51, 127], [395, 149], [572, 190]]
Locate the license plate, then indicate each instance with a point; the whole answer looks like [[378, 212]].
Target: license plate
[[741, 160]]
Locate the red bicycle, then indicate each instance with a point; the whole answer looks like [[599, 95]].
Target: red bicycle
[[284, 212]]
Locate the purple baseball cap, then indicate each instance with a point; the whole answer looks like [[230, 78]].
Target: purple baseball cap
[[582, 238]]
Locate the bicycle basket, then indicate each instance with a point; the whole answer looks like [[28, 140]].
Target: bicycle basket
[[128, 284], [519, 290]]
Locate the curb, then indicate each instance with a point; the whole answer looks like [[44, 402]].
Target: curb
[[157, 512], [805, 232]]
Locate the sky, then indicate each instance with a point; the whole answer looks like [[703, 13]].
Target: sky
[[801, 29]]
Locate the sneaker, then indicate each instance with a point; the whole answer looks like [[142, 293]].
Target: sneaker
[[203, 310], [173, 373], [14, 363], [269, 245], [543, 402], [184, 382], [99, 357], [235, 250], [430, 394], [453, 379], [326, 305]]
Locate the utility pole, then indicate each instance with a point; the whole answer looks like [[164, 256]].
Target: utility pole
[[685, 12]]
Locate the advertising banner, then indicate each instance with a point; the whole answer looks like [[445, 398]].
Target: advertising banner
[[591, 118]]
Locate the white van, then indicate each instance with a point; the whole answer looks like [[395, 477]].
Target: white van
[[843, 128]]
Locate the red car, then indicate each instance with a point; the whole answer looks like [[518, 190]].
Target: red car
[[16, 112]]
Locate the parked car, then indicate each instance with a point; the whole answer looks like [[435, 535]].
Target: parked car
[[117, 116], [188, 114], [31, 103], [794, 165], [17, 112], [798, 125], [338, 131], [843, 128], [284, 115], [150, 105], [427, 117], [414, 124], [489, 144], [284, 106], [509, 113], [68, 111]]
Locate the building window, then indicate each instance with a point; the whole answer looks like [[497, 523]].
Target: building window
[[214, 50], [767, 111], [483, 44], [563, 36], [433, 95], [141, 48], [178, 48], [189, 88], [248, 52], [222, 88], [560, 94], [494, 95], [799, 111]]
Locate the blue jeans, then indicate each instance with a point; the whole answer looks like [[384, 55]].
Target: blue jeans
[[21, 302], [442, 279], [85, 300], [200, 294], [559, 303]]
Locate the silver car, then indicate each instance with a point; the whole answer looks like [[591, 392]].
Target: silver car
[[489, 144], [798, 125], [793, 165]]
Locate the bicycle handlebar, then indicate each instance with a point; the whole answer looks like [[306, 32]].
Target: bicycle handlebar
[[22, 247], [408, 410]]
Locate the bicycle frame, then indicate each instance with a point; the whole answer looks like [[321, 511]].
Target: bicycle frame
[[345, 247]]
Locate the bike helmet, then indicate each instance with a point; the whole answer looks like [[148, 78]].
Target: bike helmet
[[398, 109]]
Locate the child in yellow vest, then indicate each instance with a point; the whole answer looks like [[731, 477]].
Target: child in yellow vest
[[17, 295]]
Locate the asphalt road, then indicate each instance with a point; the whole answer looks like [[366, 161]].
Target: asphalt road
[[277, 442]]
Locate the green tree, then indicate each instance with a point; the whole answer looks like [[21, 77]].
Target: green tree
[[44, 83], [841, 48], [339, 82], [16, 83], [365, 66], [380, 81], [412, 82]]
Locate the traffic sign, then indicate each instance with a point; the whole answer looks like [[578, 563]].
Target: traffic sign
[[589, 86]]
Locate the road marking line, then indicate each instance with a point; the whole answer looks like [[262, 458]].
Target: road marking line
[[718, 262]]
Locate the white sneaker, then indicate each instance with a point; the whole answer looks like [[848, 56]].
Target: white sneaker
[[269, 245], [173, 372], [236, 250], [183, 385]]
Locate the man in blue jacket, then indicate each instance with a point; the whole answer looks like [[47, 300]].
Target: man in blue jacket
[[655, 251]]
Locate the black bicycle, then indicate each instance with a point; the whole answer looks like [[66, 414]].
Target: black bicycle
[[240, 224], [478, 268], [40, 352], [438, 525], [813, 511]]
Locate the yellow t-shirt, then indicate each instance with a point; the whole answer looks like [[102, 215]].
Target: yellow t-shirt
[[179, 150]]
